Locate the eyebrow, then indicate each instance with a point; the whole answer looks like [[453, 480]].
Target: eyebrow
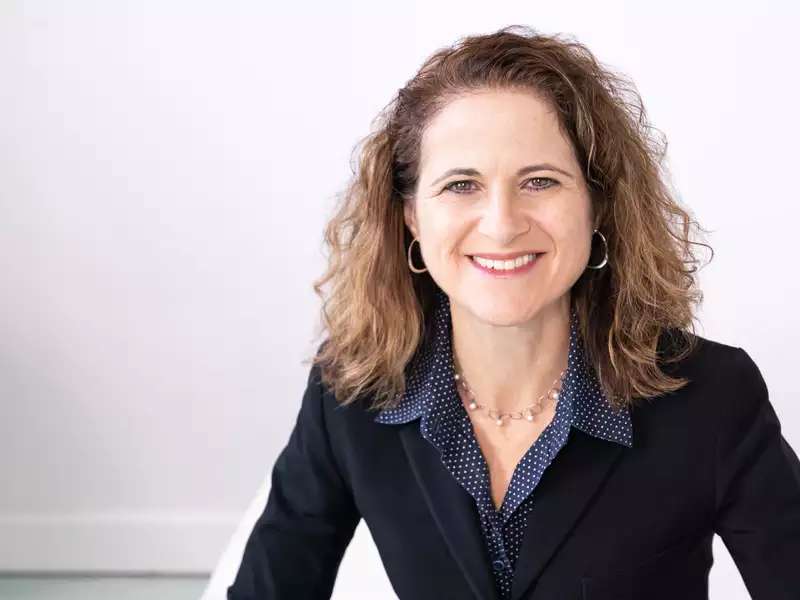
[[523, 171]]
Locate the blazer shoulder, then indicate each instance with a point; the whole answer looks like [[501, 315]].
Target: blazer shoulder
[[334, 412], [723, 380], [727, 378], [706, 354]]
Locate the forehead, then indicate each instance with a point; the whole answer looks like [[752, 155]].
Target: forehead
[[491, 128]]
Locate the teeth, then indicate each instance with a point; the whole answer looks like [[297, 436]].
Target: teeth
[[504, 265]]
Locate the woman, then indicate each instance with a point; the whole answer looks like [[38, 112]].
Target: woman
[[511, 392]]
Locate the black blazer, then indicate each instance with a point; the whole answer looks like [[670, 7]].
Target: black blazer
[[609, 522]]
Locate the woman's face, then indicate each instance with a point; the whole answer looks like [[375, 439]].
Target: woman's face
[[520, 190]]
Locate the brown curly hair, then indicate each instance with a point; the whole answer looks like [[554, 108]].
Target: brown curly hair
[[635, 315]]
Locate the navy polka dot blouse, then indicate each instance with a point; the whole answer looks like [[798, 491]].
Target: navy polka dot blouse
[[432, 395]]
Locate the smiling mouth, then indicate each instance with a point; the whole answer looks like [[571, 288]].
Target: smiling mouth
[[507, 266]]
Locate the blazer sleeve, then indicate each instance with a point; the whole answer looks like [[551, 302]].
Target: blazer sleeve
[[297, 544], [757, 481]]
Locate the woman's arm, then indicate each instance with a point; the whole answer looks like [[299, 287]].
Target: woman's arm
[[297, 544], [758, 489]]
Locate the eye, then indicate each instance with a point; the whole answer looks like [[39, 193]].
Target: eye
[[551, 183], [452, 186]]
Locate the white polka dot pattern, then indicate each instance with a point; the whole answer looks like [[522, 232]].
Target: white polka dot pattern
[[432, 395]]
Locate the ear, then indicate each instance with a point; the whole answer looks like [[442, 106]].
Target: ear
[[595, 216], [410, 216]]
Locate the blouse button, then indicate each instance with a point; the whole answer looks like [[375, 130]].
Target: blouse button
[[498, 565]]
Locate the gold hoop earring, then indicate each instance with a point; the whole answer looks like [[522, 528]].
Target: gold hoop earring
[[410, 263]]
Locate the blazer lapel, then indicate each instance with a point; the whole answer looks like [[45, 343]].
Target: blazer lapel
[[567, 487], [453, 510]]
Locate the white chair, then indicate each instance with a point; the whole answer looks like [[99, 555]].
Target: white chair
[[361, 574], [228, 564]]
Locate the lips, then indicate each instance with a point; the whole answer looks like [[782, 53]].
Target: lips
[[505, 256], [505, 268]]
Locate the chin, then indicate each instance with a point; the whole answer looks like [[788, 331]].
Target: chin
[[502, 313]]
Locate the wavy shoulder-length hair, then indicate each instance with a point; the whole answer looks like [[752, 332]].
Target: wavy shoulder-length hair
[[375, 310]]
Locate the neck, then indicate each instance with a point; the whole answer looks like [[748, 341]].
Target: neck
[[509, 367]]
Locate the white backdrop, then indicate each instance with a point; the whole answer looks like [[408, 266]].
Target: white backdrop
[[166, 169]]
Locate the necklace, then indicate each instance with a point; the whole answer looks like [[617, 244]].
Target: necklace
[[527, 413]]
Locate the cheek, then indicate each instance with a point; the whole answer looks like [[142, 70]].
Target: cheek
[[445, 237], [573, 245]]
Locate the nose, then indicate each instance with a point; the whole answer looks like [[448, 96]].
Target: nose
[[503, 219]]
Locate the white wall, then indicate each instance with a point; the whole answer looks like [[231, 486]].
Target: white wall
[[166, 169]]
